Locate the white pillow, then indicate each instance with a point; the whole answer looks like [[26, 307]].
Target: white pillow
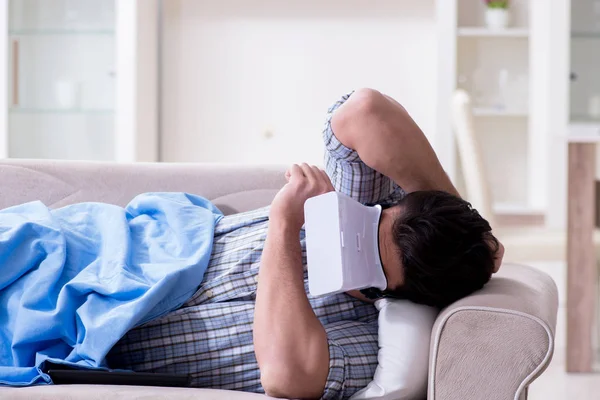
[[404, 336]]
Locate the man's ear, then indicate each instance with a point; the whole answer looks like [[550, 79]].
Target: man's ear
[[498, 257]]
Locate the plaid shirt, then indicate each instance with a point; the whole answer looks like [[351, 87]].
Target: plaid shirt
[[210, 337]]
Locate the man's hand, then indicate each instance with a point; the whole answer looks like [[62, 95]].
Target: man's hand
[[304, 182]]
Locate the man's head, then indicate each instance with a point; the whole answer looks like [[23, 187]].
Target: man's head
[[435, 248]]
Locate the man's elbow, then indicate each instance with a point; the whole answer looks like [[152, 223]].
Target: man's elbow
[[282, 381], [357, 111], [276, 389]]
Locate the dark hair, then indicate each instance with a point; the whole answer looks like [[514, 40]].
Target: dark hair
[[446, 248]]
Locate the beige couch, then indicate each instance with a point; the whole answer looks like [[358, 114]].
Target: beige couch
[[490, 345]]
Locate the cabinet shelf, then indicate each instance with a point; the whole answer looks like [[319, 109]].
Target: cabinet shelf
[[583, 132], [59, 111], [495, 112], [585, 35], [583, 118], [63, 32], [489, 33]]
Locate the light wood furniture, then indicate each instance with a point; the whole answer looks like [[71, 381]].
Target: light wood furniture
[[581, 255]]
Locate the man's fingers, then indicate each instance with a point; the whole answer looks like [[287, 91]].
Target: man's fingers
[[315, 175], [295, 171], [308, 172]]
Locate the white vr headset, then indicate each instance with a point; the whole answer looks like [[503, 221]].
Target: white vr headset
[[342, 245]]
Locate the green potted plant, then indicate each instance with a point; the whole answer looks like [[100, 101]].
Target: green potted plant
[[496, 14]]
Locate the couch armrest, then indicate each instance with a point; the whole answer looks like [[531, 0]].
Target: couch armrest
[[494, 343]]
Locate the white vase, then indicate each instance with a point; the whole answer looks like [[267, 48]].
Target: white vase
[[497, 18]]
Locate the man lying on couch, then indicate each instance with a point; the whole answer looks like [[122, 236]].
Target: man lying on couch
[[171, 285], [251, 326]]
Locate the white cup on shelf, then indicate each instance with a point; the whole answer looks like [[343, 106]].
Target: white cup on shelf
[[67, 94], [594, 106]]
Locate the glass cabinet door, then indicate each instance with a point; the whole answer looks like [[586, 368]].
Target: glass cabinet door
[[61, 79], [585, 61]]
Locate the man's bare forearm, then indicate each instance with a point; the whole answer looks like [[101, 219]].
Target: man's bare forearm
[[290, 342]]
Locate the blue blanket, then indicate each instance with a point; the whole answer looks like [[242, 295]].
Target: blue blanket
[[74, 280]]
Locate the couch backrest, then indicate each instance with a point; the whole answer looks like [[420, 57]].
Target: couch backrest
[[232, 188]]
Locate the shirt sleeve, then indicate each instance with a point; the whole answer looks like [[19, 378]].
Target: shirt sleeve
[[349, 174], [353, 350]]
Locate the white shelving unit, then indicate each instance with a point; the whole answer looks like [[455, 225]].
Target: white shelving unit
[[73, 82], [516, 121]]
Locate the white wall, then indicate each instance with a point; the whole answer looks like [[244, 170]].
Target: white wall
[[236, 71]]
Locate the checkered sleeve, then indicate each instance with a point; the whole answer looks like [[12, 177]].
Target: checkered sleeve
[[353, 350], [349, 174]]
